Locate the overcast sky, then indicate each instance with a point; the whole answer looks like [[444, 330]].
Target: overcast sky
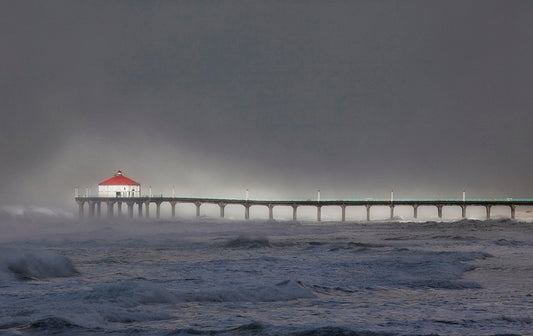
[[351, 97]]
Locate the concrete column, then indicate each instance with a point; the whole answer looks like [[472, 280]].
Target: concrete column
[[221, 206], [487, 209], [158, 209], [140, 206], [173, 205], [415, 210], [198, 205], [343, 215], [147, 206], [98, 209], [247, 211], [92, 205], [130, 208], [319, 213], [119, 208], [513, 211], [439, 210], [463, 211], [110, 205], [294, 212], [391, 211], [270, 212], [368, 206], [80, 208]]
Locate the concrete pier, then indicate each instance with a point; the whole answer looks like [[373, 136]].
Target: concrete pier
[[439, 210], [130, 208], [140, 208], [198, 205], [158, 209], [222, 206], [246, 210], [173, 207], [93, 205]]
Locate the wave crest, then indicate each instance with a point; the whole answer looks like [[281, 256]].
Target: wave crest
[[33, 265]]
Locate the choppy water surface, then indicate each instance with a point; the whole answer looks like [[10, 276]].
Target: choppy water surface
[[266, 278]]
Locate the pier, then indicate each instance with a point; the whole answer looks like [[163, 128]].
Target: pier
[[91, 207]]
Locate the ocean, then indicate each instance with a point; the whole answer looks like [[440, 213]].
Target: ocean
[[207, 276]]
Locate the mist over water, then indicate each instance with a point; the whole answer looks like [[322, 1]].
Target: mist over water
[[229, 277]]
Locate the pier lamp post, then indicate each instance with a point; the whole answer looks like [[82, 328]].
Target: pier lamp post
[[247, 195], [318, 195]]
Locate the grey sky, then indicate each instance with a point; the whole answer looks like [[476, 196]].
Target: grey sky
[[352, 97]]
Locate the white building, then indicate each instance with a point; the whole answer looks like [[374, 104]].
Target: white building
[[119, 186]]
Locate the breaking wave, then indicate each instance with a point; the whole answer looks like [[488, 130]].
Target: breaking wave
[[35, 265], [132, 293], [244, 242]]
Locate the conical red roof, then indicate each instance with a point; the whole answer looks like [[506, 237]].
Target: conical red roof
[[119, 179]]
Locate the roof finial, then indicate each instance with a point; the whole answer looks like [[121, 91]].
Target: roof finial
[[119, 173]]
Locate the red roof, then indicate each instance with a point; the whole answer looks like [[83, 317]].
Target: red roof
[[119, 179]]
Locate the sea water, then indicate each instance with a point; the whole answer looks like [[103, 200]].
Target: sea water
[[61, 276]]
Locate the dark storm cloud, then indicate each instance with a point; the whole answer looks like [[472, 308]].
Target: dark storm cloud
[[352, 96]]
